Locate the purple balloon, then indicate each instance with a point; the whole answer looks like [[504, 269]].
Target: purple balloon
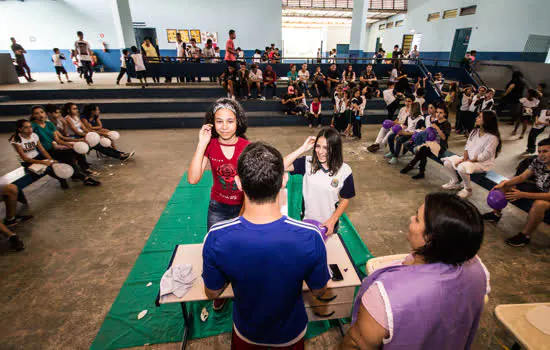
[[431, 134], [396, 129], [414, 136], [497, 200], [387, 124], [320, 226]]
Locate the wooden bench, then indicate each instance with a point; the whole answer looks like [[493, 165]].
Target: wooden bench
[[21, 178]]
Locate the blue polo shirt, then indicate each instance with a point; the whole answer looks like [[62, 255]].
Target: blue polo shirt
[[266, 266]]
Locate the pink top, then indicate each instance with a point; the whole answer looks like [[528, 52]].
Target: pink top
[[229, 45]]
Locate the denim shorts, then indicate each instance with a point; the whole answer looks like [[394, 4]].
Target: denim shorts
[[220, 212]]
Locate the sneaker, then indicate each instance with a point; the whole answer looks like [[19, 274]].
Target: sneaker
[[418, 176], [310, 126], [16, 244], [18, 219], [69, 81], [388, 155], [218, 304], [91, 182], [491, 217], [61, 82], [127, 156], [406, 169], [464, 193], [518, 240], [393, 161], [373, 148], [318, 126], [261, 98], [451, 186]]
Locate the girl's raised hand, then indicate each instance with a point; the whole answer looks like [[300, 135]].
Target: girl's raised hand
[[205, 134], [308, 144]]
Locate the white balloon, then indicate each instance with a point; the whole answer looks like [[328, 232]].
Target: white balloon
[[81, 147], [92, 138], [105, 142], [114, 135], [63, 171]]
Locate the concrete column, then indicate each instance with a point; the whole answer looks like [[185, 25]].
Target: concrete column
[[358, 37], [122, 18]]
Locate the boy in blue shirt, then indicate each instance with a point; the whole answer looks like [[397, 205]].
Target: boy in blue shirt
[[266, 257]]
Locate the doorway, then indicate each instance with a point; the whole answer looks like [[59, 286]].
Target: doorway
[[142, 33], [460, 46], [378, 44]]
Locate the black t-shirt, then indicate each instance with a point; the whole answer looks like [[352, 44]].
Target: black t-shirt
[[290, 104], [333, 74], [242, 76], [446, 129], [517, 91], [318, 77], [229, 76], [18, 56], [366, 75]]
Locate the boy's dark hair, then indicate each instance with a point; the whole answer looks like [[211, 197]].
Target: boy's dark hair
[[79, 33], [124, 52], [391, 83], [193, 40], [55, 49], [545, 142], [454, 230], [242, 121], [473, 52], [261, 169], [87, 109], [134, 49], [443, 107], [411, 97], [239, 48], [231, 32], [420, 92], [532, 93], [243, 64], [209, 41], [51, 108], [34, 108], [335, 157], [253, 66]]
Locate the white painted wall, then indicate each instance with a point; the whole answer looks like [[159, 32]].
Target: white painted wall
[[336, 35], [498, 26], [257, 23]]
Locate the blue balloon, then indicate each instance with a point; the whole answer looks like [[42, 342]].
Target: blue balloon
[[497, 200]]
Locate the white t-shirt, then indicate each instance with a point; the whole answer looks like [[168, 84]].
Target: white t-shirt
[[393, 75], [138, 62], [332, 58], [217, 59], [123, 61], [29, 146], [484, 148], [389, 97], [241, 54], [403, 115], [420, 100], [465, 103], [82, 48], [180, 49], [57, 60], [321, 191], [255, 76], [543, 118], [412, 123], [257, 58], [303, 76], [77, 124], [473, 106], [528, 105]]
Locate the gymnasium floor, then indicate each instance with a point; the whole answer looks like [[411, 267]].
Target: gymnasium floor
[[84, 241]]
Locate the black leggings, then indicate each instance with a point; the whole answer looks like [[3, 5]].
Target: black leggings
[[108, 151], [121, 74], [49, 169], [77, 161], [421, 156]]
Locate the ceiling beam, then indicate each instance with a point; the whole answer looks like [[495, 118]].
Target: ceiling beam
[[339, 9]]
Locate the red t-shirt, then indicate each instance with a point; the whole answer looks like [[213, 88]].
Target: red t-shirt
[[224, 170], [228, 55]]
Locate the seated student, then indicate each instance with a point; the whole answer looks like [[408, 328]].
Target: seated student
[[419, 97], [315, 112], [92, 121], [30, 151], [410, 305], [245, 253], [393, 99], [431, 116], [348, 76], [241, 84], [540, 124], [328, 181], [54, 115], [270, 81], [383, 135], [333, 79], [530, 187], [61, 147], [9, 194], [428, 148], [529, 105], [293, 102], [255, 79], [369, 83], [292, 75], [257, 57], [414, 122], [319, 82], [76, 129], [482, 147], [303, 80], [229, 81]]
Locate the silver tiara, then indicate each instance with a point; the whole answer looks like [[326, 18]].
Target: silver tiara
[[224, 106]]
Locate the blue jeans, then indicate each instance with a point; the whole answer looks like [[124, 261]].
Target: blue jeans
[[220, 212], [396, 142]]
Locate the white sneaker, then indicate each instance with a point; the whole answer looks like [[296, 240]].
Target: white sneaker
[[388, 155], [451, 186], [392, 161], [464, 193]]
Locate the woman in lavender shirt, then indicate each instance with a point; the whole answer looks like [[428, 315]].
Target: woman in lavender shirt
[[434, 298]]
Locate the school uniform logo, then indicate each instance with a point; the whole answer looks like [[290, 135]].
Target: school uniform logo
[[334, 183]]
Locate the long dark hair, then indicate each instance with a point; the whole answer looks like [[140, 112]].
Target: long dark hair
[[88, 109], [454, 229], [490, 126], [66, 110], [235, 107], [19, 124], [335, 156]]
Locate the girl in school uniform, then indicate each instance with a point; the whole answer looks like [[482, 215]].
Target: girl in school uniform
[[482, 148], [328, 181], [528, 104]]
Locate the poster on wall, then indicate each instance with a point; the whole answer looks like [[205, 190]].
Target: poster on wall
[[184, 35], [196, 34], [171, 35], [210, 35]]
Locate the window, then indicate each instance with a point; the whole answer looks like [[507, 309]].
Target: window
[[434, 16], [398, 23], [389, 25], [450, 14], [466, 11], [382, 27]]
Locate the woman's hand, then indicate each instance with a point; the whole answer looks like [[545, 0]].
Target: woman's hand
[[514, 194], [205, 134], [308, 144], [47, 162], [330, 226]]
